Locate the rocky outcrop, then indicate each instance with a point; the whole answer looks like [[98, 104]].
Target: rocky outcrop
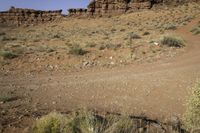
[[112, 7], [77, 12], [19, 16]]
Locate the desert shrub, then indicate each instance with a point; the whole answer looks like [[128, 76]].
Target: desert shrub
[[78, 122], [91, 45], [77, 50], [8, 98], [172, 41], [169, 27], [120, 124], [101, 47], [109, 46], [188, 18], [19, 50], [4, 38], [146, 33], [113, 46], [51, 123], [83, 121], [56, 36], [192, 115], [113, 30], [196, 30], [8, 54], [133, 35], [44, 48], [2, 33]]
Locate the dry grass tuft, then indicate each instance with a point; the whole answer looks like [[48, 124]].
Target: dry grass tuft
[[84, 122], [192, 115], [196, 30], [77, 50], [172, 41], [8, 54], [51, 123]]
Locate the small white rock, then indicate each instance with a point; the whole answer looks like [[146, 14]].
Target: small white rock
[[155, 43]]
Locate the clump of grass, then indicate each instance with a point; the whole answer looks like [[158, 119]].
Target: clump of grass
[[120, 124], [91, 45], [77, 122], [83, 121], [101, 47], [170, 27], [196, 30], [192, 115], [44, 48], [172, 41], [109, 46], [51, 123], [8, 54], [146, 33], [77, 50], [133, 35], [7, 98]]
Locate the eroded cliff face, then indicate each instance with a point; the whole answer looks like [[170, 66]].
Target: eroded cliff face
[[19, 16], [113, 7]]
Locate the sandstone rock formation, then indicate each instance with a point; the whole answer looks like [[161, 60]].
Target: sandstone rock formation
[[19, 16], [112, 7], [77, 12]]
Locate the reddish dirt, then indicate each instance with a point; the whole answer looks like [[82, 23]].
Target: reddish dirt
[[158, 90]]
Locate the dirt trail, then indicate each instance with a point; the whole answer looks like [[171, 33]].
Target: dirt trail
[[158, 90]]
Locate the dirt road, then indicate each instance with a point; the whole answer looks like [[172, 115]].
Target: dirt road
[[157, 90]]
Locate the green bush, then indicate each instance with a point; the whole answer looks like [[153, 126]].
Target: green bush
[[77, 50], [169, 27], [196, 30], [51, 123], [192, 115], [172, 41], [8, 54]]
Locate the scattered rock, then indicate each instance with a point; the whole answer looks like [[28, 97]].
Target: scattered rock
[[112, 63], [156, 43], [86, 63]]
